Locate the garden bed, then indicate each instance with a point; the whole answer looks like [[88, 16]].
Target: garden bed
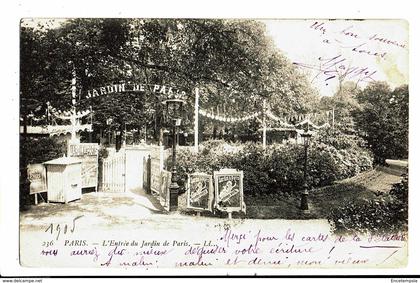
[[321, 202], [369, 185], [286, 205]]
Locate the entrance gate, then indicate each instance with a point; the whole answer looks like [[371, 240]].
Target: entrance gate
[[137, 168], [123, 170]]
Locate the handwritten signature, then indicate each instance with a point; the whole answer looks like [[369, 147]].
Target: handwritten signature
[[340, 68]]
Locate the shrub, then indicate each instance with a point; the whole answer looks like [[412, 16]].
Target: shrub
[[211, 157], [258, 175], [36, 150], [278, 168], [387, 213], [338, 138]]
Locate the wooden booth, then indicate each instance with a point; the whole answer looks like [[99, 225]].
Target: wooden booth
[[64, 179]]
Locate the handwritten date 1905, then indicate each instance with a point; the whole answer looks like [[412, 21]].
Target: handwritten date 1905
[[57, 228]]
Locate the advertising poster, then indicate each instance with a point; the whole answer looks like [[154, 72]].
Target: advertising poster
[[88, 153], [37, 178], [229, 190], [200, 191]]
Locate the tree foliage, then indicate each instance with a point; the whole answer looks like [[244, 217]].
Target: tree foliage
[[233, 62], [383, 120], [344, 103]]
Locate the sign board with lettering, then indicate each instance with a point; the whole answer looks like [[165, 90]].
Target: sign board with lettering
[[37, 178], [88, 153], [229, 191], [163, 90], [200, 191]]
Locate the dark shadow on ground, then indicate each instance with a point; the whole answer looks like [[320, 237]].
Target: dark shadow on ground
[[157, 207]]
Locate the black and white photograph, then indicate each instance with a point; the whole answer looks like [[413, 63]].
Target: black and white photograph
[[116, 115], [213, 145]]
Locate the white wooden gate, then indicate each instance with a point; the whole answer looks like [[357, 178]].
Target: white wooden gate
[[134, 160], [123, 170], [113, 173]]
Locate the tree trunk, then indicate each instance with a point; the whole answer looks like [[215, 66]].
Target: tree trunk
[[214, 132]]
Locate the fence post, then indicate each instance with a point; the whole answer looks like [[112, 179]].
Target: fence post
[[144, 168], [100, 175], [149, 174]]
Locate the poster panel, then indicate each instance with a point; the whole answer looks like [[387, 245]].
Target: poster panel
[[88, 153], [200, 191], [229, 190], [37, 178]]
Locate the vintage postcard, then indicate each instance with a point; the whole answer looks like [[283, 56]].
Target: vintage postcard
[[180, 143]]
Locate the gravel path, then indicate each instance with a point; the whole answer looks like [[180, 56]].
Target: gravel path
[[378, 179]]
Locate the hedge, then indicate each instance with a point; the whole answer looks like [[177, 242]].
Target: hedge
[[35, 150], [278, 168]]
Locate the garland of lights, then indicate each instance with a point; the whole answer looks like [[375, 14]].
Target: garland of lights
[[227, 119], [269, 115], [313, 125], [277, 119], [59, 114], [67, 115]]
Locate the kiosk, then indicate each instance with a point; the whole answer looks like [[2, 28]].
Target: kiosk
[[64, 179]]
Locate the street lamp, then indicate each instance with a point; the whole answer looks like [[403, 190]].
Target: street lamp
[[109, 123], [174, 112], [306, 135]]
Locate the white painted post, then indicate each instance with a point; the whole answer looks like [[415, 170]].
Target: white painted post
[[264, 126], [124, 136], [73, 102], [161, 157], [196, 120], [161, 150]]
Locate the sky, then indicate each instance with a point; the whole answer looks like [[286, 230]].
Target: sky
[[361, 51]]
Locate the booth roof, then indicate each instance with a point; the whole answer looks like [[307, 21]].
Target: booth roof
[[63, 161]]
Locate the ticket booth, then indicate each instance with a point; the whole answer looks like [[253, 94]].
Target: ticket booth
[[64, 179]]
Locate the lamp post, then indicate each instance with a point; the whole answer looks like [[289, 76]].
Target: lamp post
[[109, 123], [174, 109], [304, 197]]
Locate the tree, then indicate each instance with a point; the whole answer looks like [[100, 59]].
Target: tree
[[343, 102], [233, 62], [34, 70], [383, 120]]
